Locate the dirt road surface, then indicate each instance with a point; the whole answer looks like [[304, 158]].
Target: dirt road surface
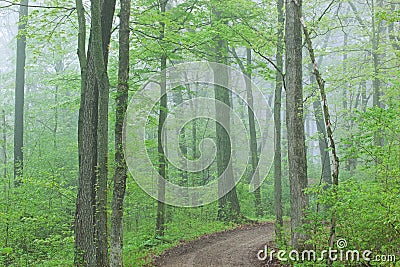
[[234, 248]]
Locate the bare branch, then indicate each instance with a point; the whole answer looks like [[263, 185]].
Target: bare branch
[[37, 6]]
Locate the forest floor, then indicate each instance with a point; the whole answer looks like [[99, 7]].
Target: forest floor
[[237, 247]]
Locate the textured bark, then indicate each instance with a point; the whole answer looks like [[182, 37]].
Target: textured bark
[[102, 32], [85, 252], [162, 168], [120, 174], [295, 122], [228, 204], [90, 234], [19, 94], [277, 124], [81, 42]]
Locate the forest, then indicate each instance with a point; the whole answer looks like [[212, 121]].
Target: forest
[[200, 133]]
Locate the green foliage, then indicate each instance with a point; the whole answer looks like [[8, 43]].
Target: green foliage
[[365, 205]]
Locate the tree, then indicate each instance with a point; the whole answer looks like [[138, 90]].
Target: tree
[[162, 163], [326, 174], [90, 233], [101, 41], [328, 124], [322, 142], [19, 94], [277, 122], [228, 204], [247, 71], [294, 121], [120, 174]]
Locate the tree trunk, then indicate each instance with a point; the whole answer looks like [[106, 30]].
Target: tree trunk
[[254, 174], [19, 94], [85, 252], [277, 123], [183, 179], [4, 145], [376, 82], [7, 187], [90, 230], [120, 175], [294, 121], [59, 68], [326, 174], [100, 46], [228, 204], [253, 138], [162, 168], [322, 142]]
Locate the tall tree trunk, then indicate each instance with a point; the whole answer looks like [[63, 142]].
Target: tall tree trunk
[[326, 174], [253, 138], [254, 175], [294, 121], [85, 252], [4, 145], [364, 98], [100, 46], [120, 174], [392, 33], [183, 180], [277, 123], [322, 141], [344, 64], [376, 56], [228, 204], [90, 230], [162, 168], [7, 187], [59, 68], [19, 94], [376, 27]]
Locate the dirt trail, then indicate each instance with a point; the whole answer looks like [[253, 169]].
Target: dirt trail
[[237, 247]]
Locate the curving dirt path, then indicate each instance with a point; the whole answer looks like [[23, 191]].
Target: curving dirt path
[[237, 247]]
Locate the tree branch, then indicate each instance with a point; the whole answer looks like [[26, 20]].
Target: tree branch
[[37, 6], [335, 158]]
